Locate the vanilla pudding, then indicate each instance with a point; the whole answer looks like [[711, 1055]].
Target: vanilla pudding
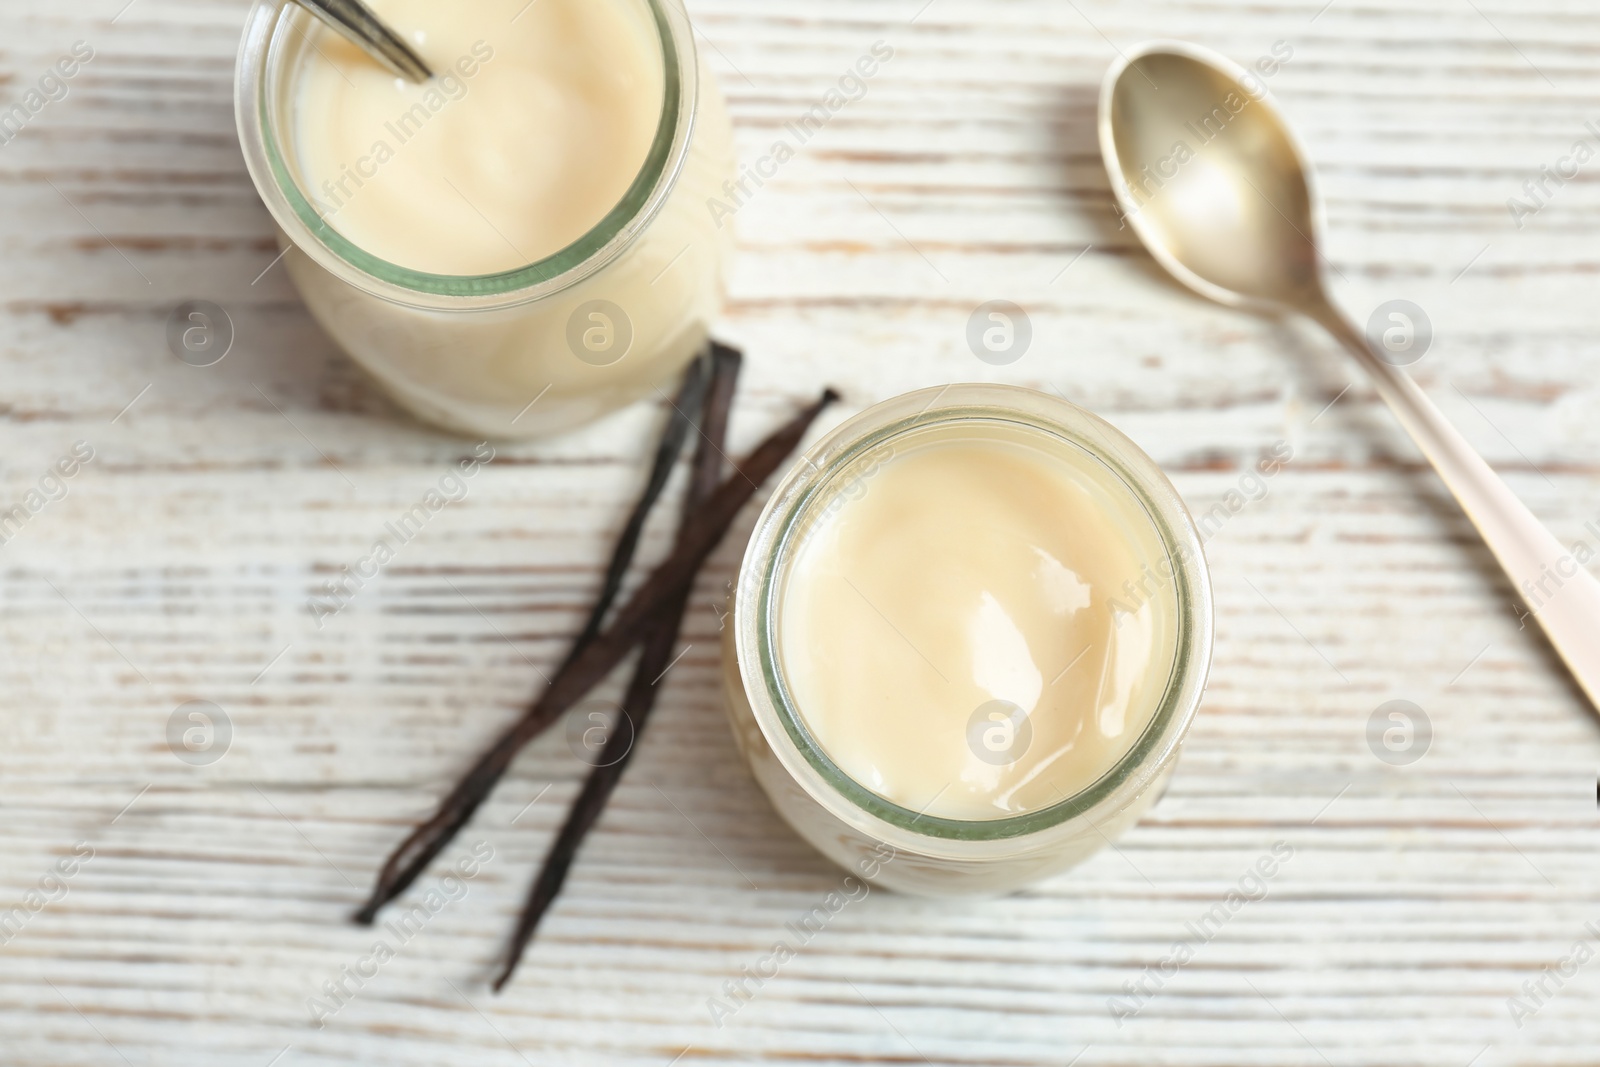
[[537, 120], [969, 633], [968, 637], [522, 243]]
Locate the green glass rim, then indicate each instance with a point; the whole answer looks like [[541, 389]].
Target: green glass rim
[[633, 204], [1170, 705]]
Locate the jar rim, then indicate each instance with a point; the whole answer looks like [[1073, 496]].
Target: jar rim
[[760, 575], [260, 66]]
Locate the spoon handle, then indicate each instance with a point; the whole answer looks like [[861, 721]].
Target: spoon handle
[[355, 20], [1560, 592]]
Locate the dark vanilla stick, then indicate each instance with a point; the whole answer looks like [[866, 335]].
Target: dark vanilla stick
[[686, 409], [643, 688], [590, 666]]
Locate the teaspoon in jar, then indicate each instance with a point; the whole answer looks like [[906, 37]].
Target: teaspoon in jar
[[1209, 175], [355, 21]]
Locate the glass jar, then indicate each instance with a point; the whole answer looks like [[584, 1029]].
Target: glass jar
[[535, 350], [861, 830]]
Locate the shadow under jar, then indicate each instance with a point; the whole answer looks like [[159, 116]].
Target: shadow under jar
[[550, 337], [969, 633]]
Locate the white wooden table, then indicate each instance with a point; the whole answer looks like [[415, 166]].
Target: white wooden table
[[1418, 900]]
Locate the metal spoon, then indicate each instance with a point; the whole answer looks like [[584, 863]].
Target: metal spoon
[[1210, 177], [356, 21]]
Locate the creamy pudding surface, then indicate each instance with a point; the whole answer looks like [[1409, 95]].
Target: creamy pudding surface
[[977, 628], [538, 119]]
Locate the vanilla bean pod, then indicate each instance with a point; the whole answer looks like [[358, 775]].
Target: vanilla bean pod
[[589, 667], [686, 410], [643, 688], [686, 407]]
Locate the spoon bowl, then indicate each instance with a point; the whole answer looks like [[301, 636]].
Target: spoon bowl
[[1209, 175]]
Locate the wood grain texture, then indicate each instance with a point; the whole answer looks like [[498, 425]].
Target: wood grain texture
[[176, 568]]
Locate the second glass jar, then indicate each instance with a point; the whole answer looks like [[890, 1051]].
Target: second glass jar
[[854, 822]]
